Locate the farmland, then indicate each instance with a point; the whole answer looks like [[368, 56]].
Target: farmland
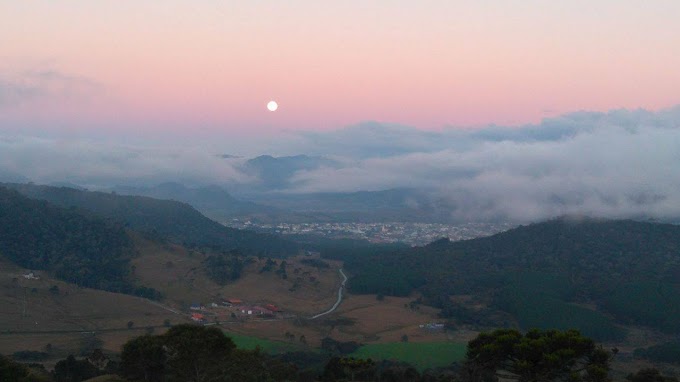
[[422, 355]]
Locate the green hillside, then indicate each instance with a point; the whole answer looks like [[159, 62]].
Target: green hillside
[[543, 275], [178, 222], [84, 250]]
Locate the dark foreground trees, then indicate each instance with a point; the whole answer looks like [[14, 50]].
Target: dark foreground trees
[[537, 356], [201, 354], [12, 371], [190, 353], [649, 375]]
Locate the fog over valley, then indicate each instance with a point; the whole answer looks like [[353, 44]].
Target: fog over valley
[[623, 163]]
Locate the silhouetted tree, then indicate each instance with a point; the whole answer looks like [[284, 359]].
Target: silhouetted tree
[[649, 375], [538, 356], [73, 370], [143, 358]]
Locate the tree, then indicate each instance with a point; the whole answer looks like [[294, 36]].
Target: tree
[[190, 353], [194, 353], [73, 370], [649, 375], [89, 343], [357, 365], [12, 371], [404, 338], [143, 358], [538, 356]]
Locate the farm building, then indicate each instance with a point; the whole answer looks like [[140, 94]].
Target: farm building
[[273, 308], [31, 276], [232, 302], [256, 310]]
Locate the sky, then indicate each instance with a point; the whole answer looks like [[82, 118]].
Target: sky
[[519, 109], [143, 69]]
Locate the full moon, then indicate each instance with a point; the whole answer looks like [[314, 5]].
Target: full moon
[[272, 106]]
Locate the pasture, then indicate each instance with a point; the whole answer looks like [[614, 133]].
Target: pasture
[[422, 355]]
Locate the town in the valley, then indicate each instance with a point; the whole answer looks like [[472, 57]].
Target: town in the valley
[[404, 232]]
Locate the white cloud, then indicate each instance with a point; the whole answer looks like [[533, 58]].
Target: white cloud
[[617, 164], [100, 164], [33, 85]]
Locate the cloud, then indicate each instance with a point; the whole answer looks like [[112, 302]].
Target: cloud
[[373, 139], [46, 84], [623, 163], [99, 164], [617, 164]]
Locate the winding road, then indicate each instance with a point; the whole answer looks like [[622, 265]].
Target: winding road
[[337, 303]]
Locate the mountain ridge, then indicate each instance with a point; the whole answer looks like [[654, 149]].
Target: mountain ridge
[[173, 220]]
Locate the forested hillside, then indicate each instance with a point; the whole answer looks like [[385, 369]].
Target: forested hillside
[[84, 250], [536, 273], [172, 220]]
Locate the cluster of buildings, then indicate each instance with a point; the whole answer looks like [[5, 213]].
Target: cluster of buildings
[[230, 309], [31, 276], [409, 233]]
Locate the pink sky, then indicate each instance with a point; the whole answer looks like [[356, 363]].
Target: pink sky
[[213, 65]]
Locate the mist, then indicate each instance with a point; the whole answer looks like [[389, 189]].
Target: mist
[[624, 163]]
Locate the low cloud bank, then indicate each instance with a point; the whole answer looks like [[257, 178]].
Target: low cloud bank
[[617, 164], [96, 164]]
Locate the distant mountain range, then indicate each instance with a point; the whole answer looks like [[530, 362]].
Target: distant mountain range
[[12, 177], [364, 206], [213, 201], [275, 173]]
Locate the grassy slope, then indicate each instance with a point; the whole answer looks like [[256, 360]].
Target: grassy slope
[[185, 282], [423, 355], [274, 347], [31, 316]]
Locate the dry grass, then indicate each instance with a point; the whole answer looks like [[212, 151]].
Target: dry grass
[[185, 282], [385, 321], [28, 307]]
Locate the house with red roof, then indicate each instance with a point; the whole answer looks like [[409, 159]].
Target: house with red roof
[[273, 308]]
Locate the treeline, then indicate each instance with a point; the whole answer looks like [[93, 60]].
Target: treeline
[[629, 269], [191, 353], [223, 268], [80, 249], [75, 247]]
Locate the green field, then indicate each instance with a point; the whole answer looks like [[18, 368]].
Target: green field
[[272, 347], [422, 355]]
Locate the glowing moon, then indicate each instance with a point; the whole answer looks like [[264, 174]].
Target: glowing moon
[[272, 106]]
